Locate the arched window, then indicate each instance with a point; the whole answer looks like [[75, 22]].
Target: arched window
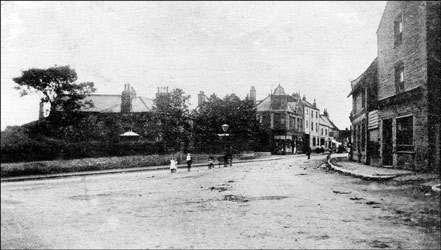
[[398, 30]]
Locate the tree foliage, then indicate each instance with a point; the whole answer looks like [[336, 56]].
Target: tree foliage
[[173, 116], [57, 86], [239, 114]]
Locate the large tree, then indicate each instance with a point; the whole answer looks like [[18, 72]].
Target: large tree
[[239, 114], [172, 110], [58, 87]]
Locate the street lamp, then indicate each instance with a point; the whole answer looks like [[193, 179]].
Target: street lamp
[[225, 127], [226, 155]]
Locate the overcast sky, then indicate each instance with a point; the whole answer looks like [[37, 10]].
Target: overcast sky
[[314, 48]]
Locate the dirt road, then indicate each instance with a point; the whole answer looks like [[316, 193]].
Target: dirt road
[[286, 203]]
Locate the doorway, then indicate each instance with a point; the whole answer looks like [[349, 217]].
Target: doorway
[[387, 142]]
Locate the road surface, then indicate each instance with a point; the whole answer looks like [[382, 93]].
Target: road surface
[[288, 203]]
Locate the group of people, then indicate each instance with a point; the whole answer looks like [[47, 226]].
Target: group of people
[[174, 162]]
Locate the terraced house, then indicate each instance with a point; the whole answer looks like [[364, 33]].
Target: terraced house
[[364, 116]]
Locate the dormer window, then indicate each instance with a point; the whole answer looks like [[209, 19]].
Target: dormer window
[[398, 30]]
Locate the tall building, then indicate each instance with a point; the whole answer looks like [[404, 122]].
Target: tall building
[[282, 115], [311, 123], [409, 64], [364, 116]]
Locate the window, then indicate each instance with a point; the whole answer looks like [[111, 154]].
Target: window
[[312, 114], [363, 136], [398, 30], [307, 125], [399, 77], [316, 114], [405, 133], [321, 130], [282, 119], [316, 127], [363, 98], [312, 126], [313, 141]]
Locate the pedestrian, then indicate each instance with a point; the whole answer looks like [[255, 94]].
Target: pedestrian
[[308, 151], [230, 156], [173, 166], [188, 161], [210, 162]]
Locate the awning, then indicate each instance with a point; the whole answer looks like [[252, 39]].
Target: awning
[[129, 133], [283, 137], [336, 142]]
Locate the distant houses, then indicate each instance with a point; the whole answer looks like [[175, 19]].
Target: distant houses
[[294, 123], [396, 101]]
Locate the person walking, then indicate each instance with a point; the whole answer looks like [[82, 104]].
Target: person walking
[[308, 151], [173, 166], [188, 161], [210, 162]]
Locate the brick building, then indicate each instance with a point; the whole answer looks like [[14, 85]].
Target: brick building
[[409, 63], [364, 116], [282, 114]]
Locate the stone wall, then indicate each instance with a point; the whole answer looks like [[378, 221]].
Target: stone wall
[[417, 158], [412, 51]]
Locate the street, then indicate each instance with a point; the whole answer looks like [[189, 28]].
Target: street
[[288, 203]]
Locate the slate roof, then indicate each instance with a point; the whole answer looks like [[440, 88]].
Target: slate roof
[[308, 104], [324, 120], [264, 105], [112, 104]]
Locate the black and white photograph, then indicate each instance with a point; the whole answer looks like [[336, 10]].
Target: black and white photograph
[[220, 125]]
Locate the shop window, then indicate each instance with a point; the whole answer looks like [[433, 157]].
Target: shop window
[[405, 133]]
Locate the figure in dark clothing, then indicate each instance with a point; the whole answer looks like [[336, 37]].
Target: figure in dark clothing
[[210, 162], [308, 152]]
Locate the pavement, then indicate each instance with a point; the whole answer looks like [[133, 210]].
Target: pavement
[[341, 164]]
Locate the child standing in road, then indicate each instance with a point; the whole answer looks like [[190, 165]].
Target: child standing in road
[[173, 166], [210, 162], [189, 161]]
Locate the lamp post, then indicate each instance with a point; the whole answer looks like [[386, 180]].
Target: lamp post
[[226, 155]]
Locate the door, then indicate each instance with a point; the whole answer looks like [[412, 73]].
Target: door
[[387, 142]]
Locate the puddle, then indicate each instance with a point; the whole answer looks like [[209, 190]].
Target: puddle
[[13, 202], [220, 188], [340, 192], [240, 198], [355, 198], [372, 203], [378, 244]]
